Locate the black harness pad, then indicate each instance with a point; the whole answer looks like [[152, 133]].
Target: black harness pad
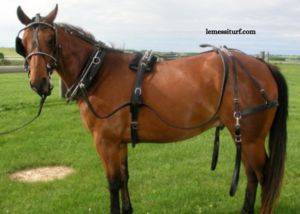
[[133, 65]]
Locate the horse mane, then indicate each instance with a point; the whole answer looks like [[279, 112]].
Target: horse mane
[[86, 34], [78, 30]]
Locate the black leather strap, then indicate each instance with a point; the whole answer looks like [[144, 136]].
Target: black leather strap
[[136, 96], [43, 98], [134, 64], [86, 99], [216, 149], [238, 115], [258, 108]]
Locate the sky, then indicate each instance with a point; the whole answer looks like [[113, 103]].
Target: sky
[[170, 25]]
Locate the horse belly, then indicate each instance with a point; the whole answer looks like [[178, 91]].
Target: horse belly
[[183, 98]]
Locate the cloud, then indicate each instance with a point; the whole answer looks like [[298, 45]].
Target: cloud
[[171, 25]]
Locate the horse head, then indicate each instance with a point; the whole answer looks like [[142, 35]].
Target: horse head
[[39, 48]]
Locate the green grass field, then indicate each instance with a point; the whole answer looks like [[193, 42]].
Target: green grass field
[[169, 178], [9, 52]]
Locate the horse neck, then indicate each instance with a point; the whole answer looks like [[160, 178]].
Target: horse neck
[[72, 56]]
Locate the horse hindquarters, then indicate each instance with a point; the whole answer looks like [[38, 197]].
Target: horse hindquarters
[[277, 147], [268, 170], [258, 166]]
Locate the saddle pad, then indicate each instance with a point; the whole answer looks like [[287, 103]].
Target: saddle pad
[[133, 65]]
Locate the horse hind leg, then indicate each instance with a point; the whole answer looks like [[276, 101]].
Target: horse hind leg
[[252, 183], [254, 159]]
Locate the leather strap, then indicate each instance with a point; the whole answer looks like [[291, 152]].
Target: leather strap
[[258, 108], [136, 96]]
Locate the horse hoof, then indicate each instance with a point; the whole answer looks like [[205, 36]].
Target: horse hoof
[[245, 212], [127, 211]]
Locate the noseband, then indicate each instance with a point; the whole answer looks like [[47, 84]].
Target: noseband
[[20, 49]]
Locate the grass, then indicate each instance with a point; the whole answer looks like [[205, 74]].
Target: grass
[[9, 52], [169, 178]]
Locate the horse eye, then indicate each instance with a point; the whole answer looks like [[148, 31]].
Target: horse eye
[[51, 41]]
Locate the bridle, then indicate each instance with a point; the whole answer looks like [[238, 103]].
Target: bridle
[[20, 49]]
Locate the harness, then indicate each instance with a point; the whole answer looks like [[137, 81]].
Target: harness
[[136, 102], [147, 60]]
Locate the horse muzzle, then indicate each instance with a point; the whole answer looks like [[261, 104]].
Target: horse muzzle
[[43, 88]]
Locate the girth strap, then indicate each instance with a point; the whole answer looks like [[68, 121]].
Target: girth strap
[[136, 96]]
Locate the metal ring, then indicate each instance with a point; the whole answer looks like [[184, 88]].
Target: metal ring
[[234, 115], [96, 60]]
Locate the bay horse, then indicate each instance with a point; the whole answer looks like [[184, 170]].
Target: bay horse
[[184, 92]]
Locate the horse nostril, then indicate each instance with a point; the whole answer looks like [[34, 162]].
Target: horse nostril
[[44, 79], [42, 88]]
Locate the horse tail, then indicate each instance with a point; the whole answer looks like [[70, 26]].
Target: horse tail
[[274, 169]]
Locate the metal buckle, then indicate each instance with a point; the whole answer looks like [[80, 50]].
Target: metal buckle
[[238, 138], [134, 125], [138, 89]]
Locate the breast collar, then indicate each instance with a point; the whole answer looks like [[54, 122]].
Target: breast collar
[[89, 71]]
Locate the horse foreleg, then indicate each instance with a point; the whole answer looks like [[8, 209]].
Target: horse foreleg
[[109, 154], [126, 205]]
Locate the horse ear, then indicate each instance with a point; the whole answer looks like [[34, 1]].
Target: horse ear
[[51, 16], [23, 17]]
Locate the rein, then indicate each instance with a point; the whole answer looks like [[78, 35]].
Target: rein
[[38, 114]]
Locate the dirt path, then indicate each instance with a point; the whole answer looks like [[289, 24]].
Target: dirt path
[[42, 174]]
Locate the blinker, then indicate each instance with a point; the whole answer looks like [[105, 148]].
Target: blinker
[[20, 49]]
